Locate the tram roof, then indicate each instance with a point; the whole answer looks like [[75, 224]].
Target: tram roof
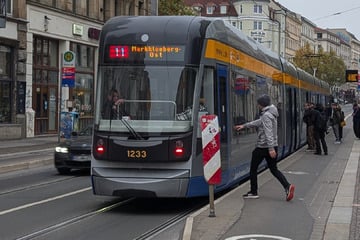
[[187, 30]]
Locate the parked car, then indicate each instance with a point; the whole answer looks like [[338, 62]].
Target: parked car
[[75, 152]]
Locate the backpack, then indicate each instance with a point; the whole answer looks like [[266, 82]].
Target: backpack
[[322, 121]]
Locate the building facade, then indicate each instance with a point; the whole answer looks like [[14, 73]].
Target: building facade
[[33, 90]]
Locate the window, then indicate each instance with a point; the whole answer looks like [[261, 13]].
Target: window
[[82, 94], [5, 84], [45, 84], [45, 52], [223, 9], [9, 4], [257, 8], [81, 7], [257, 25], [5, 62], [210, 9]]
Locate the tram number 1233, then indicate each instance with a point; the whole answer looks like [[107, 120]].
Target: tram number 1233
[[136, 153]]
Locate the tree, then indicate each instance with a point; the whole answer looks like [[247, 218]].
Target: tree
[[326, 65], [174, 7]]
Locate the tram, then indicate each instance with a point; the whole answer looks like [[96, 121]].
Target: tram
[[168, 71]]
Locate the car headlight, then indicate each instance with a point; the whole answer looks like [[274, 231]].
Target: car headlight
[[62, 149]]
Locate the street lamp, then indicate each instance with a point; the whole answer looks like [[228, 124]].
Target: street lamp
[[272, 17], [313, 66]]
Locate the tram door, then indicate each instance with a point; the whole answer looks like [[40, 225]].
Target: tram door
[[222, 110], [221, 102], [292, 128]]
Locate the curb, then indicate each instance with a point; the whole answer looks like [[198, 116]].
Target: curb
[[26, 165]]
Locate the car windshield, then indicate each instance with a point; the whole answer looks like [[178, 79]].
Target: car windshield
[[87, 131], [150, 99]]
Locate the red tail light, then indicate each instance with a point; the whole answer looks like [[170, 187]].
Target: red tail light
[[100, 149], [179, 149]]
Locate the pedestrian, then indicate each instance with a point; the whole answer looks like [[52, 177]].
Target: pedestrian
[[308, 119], [335, 120], [266, 147], [356, 120], [320, 128]]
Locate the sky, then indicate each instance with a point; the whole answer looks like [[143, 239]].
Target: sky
[[328, 13]]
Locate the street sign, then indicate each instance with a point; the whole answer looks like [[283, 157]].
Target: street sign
[[68, 69], [68, 59], [211, 148]]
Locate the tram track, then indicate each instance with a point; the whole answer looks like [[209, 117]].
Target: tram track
[[170, 222], [43, 232], [38, 185]]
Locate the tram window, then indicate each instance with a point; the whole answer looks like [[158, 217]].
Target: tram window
[[207, 89], [243, 89]]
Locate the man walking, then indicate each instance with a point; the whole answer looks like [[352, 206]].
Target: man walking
[[308, 119], [266, 147], [320, 127], [335, 119]]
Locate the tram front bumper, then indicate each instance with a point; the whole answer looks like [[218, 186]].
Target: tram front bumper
[[140, 183]]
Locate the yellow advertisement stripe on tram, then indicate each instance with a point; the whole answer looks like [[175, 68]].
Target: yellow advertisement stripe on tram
[[220, 51]]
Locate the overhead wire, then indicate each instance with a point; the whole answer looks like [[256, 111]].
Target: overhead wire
[[337, 13]]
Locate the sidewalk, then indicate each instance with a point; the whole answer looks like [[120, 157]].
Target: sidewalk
[[28, 144], [9, 148], [325, 206]]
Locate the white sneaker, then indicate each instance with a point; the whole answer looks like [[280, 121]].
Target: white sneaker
[[250, 195]]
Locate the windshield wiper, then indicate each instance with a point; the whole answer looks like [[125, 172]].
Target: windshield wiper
[[135, 134]]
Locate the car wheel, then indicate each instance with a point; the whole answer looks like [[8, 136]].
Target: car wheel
[[63, 170]]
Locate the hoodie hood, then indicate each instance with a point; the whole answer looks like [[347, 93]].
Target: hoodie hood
[[271, 109]]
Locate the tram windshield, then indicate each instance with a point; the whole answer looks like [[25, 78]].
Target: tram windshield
[[147, 99]]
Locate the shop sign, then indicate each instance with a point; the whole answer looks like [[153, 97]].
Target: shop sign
[[78, 29], [94, 33]]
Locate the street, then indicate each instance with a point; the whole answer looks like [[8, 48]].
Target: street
[[40, 204]]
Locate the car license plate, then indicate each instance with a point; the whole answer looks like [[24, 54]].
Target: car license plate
[[81, 158]]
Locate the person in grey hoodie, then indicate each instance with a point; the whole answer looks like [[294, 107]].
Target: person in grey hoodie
[[266, 147]]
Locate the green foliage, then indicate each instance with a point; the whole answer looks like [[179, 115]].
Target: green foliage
[[327, 65], [174, 7]]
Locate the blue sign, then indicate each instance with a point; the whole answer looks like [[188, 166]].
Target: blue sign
[[70, 82]]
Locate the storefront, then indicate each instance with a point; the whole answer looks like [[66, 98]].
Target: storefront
[[6, 83], [50, 97], [12, 81]]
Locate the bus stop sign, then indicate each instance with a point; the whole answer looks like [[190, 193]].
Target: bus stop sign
[[211, 148]]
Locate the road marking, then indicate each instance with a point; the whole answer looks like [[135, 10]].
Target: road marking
[[44, 201]]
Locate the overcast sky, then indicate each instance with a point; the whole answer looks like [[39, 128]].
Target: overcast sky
[[328, 13]]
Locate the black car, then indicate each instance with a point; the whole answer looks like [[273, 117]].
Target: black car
[[74, 153]]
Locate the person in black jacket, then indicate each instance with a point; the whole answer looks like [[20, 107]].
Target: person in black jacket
[[308, 119], [320, 127], [356, 120], [335, 120]]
